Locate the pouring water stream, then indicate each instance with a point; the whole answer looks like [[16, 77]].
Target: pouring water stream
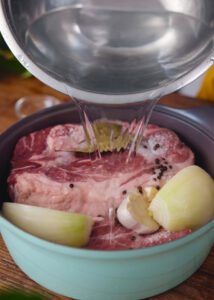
[[136, 130]]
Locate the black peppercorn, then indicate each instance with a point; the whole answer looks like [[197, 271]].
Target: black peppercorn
[[157, 161], [140, 190], [156, 146]]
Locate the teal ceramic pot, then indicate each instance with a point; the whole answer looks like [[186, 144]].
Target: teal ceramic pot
[[111, 275], [115, 275]]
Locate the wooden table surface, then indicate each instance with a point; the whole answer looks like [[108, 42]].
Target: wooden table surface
[[199, 286]]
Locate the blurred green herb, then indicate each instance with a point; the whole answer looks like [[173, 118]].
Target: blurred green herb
[[8, 61], [13, 295]]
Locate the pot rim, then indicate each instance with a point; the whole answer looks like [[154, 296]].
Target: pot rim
[[105, 254]]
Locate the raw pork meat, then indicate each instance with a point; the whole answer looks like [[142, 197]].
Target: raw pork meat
[[46, 173], [124, 239]]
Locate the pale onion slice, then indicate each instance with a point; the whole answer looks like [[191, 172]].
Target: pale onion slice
[[133, 214], [186, 201], [53, 225]]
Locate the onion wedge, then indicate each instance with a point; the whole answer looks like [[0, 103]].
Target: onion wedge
[[60, 227]]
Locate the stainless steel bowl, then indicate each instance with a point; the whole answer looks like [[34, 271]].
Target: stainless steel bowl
[[111, 51]]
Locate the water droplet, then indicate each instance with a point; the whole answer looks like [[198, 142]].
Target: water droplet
[[5, 36], [19, 56], [22, 60]]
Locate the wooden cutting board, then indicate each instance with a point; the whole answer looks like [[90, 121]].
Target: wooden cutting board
[[199, 286]]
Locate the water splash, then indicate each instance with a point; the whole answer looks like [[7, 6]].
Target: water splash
[[88, 126], [138, 128], [111, 220]]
